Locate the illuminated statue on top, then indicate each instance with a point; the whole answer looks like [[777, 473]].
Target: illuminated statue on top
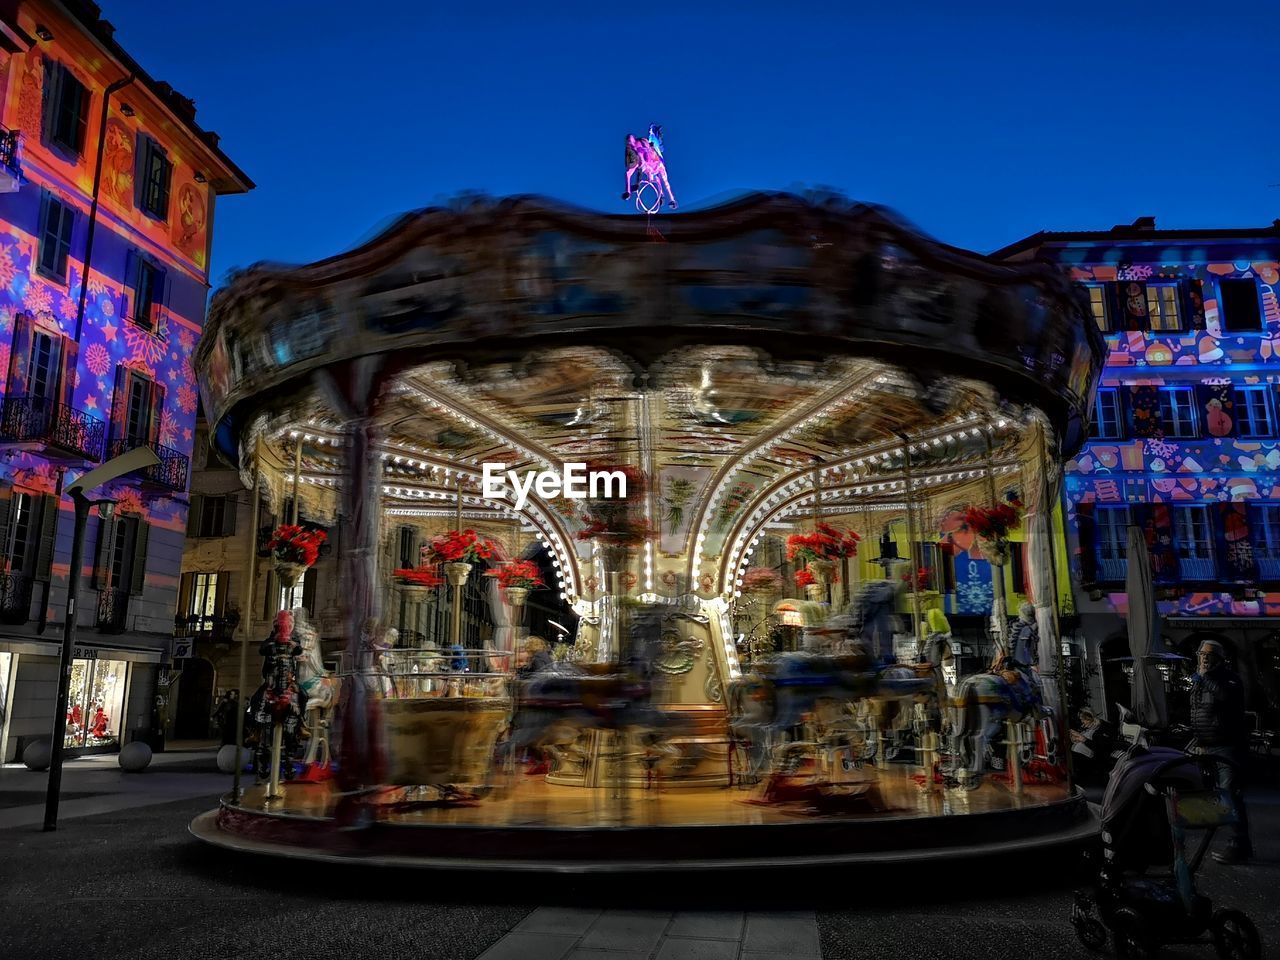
[[645, 156]]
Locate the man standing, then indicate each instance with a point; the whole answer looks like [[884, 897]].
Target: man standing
[[1218, 723]]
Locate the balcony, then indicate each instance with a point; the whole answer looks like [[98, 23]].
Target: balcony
[[10, 164], [170, 472], [113, 610], [15, 598], [215, 629], [54, 426]]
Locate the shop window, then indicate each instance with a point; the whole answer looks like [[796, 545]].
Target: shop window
[[57, 220], [1178, 411], [1253, 412], [1163, 306], [66, 109], [1238, 307], [1264, 530], [1107, 424], [154, 173], [1194, 536], [1098, 305], [1112, 541], [96, 705]]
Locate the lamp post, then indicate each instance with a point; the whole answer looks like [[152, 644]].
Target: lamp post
[[136, 459]]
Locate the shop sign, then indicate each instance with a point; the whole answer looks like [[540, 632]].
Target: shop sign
[[84, 653], [183, 649]]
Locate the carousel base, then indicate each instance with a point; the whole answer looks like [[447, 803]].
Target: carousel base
[[540, 827]]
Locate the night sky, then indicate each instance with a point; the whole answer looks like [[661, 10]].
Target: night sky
[[980, 122]]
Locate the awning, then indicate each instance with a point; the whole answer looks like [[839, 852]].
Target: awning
[[88, 650]]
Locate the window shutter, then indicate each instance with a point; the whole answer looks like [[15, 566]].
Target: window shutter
[[157, 411], [1144, 411], [120, 404], [193, 515], [6, 494], [159, 299], [70, 356], [309, 591], [1217, 402], [19, 356], [141, 152], [229, 515], [1233, 546], [52, 87], [82, 117], [1157, 521], [128, 296], [46, 246], [1133, 306], [102, 553], [185, 585], [1238, 307], [166, 175], [223, 593], [140, 557], [48, 537], [65, 228], [1193, 303]]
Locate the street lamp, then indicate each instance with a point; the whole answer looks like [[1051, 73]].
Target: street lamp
[[137, 459]]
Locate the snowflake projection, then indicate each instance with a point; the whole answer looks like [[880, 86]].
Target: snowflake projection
[[96, 285], [37, 298], [1162, 449], [67, 308], [6, 320], [974, 594], [186, 342], [143, 347], [108, 306], [8, 269], [186, 398], [97, 359], [168, 429]]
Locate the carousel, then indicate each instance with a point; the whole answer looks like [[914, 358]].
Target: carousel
[[733, 542]]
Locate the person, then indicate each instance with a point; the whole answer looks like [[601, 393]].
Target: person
[[1219, 730], [225, 717], [535, 657], [1024, 638], [1092, 745]]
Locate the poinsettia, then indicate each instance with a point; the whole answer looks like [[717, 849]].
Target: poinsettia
[[418, 577], [825, 543], [523, 574], [805, 578], [994, 523], [290, 543], [919, 580], [461, 546]]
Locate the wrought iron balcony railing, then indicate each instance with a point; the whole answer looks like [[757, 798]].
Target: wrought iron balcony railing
[[170, 472], [217, 629], [41, 420], [15, 598], [113, 610]]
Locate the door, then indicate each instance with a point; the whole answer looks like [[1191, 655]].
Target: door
[[195, 701]]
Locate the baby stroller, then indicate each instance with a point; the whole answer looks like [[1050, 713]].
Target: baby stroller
[[1154, 798]]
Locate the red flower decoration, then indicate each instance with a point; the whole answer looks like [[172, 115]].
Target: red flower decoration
[[462, 546], [825, 543], [804, 578], [994, 523], [418, 577], [518, 573], [291, 543]]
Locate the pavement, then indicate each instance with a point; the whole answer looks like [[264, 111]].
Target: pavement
[[121, 878]]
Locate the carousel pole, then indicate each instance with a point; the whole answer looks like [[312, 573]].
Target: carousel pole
[[248, 623], [455, 633], [1046, 508], [999, 607], [277, 728], [913, 548]]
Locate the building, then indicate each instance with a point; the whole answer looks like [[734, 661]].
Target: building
[[1185, 443], [105, 231]]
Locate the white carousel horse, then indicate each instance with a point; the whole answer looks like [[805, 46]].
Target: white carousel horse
[[321, 688]]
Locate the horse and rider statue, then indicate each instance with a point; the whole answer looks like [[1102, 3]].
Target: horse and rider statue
[[646, 169]]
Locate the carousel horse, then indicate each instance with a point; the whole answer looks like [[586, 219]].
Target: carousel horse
[[874, 617], [983, 703], [645, 155], [320, 688], [278, 701]]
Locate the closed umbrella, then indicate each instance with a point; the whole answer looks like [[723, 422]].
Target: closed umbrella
[[1144, 636]]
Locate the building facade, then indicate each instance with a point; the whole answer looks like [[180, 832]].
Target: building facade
[[106, 222], [1185, 443]]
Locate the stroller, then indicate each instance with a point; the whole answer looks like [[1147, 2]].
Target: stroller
[[1154, 798]]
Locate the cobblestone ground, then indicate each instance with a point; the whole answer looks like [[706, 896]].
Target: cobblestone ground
[[132, 884]]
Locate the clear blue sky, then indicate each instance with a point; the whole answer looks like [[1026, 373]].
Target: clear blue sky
[[979, 122]]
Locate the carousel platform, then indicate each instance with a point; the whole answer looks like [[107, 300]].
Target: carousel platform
[[541, 827]]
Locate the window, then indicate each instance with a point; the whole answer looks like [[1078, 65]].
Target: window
[[121, 549], [66, 109], [147, 282], [1113, 538], [95, 703], [1264, 531], [42, 367], [1194, 542], [1098, 305], [20, 537], [1106, 415], [138, 417], [216, 517], [56, 223], [154, 173], [1238, 305], [1253, 412], [204, 600], [1162, 306], [1177, 411]]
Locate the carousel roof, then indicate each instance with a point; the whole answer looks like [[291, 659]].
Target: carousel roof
[[732, 353]]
